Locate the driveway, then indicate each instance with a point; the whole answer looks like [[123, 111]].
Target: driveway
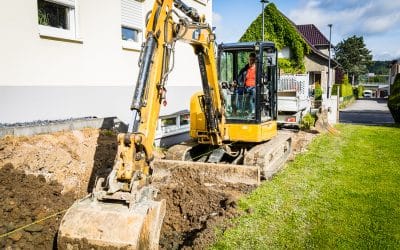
[[367, 111]]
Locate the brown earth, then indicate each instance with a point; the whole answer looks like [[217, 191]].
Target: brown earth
[[72, 158], [51, 170], [44, 174], [25, 199], [195, 208]]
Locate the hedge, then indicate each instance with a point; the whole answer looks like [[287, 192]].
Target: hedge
[[358, 91], [345, 88], [318, 92], [394, 99]]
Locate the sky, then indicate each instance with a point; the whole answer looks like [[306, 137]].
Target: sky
[[378, 21]]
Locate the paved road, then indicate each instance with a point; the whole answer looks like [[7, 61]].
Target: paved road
[[367, 111]]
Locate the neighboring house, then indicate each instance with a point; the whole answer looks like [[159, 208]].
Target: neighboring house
[[76, 58], [173, 128], [394, 70], [317, 61]]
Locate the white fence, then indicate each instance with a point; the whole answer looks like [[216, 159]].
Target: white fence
[[294, 83]]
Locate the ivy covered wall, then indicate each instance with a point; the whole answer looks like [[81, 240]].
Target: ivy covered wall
[[282, 32]]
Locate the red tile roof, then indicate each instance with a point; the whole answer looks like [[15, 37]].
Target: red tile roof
[[312, 34]]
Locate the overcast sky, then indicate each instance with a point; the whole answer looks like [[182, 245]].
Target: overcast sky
[[378, 21]]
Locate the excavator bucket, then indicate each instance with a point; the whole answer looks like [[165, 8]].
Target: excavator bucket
[[208, 173], [90, 224]]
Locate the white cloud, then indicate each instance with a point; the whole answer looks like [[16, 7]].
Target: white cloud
[[217, 19], [369, 18], [374, 25]]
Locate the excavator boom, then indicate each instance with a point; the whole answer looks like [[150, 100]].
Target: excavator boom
[[122, 211]]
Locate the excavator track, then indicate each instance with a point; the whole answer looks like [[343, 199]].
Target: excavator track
[[270, 156], [260, 162]]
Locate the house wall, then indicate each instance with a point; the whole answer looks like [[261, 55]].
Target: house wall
[[316, 64], [394, 70], [96, 57], [323, 48]]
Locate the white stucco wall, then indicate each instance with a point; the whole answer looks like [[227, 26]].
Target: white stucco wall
[[29, 59], [96, 58]]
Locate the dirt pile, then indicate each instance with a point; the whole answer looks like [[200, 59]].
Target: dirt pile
[[194, 209], [72, 158], [25, 199], [47, 174], [300, 141]]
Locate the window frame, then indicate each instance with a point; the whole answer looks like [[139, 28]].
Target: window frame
[[132, 45], [70, 34]]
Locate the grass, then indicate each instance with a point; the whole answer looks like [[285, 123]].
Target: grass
[[343, 193]]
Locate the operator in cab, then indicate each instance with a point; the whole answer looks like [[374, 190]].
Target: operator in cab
[[247, 79]]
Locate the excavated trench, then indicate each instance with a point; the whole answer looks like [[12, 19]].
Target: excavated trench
[[42, 175]]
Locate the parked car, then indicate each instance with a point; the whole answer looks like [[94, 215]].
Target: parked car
[[367, 93]]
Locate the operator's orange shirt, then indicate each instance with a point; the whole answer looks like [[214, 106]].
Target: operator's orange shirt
[[251, 76]]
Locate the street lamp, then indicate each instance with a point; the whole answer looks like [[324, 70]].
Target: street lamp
[[329, 61], [263, 2]]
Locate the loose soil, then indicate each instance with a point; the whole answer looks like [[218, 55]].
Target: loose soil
[[195, 208], [25, 199], [43, 174]]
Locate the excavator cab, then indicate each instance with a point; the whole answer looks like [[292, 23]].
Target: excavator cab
[[248, 113], [248, 104]]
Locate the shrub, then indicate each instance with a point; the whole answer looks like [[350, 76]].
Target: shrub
[[394, 99], [355, 92], [318, 92], [335, 88], [360, 90], [345, 88], [308, 121]]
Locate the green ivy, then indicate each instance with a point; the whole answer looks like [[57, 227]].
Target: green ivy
[[278, 29]]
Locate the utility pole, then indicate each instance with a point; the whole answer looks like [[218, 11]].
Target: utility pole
[[263, 2], [329, 62]]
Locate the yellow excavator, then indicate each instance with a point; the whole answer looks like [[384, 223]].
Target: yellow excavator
[[233, 128]]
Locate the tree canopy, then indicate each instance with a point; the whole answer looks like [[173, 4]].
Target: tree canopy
[[278, 29], [379, 67], [354, 57]]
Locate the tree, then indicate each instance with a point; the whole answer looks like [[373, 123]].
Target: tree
[[379, 67], [354, 57]]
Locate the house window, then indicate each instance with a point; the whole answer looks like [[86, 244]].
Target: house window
[[184, 119], [52, 14], [56, 18], [130, 34], [132, 22], [168, 124]]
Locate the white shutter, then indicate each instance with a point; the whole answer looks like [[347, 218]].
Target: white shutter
[[132, 14], [70, 3]]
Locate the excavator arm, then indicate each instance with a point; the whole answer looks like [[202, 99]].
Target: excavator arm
[[121, 211]]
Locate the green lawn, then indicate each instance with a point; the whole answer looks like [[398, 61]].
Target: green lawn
[[343, 193]]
